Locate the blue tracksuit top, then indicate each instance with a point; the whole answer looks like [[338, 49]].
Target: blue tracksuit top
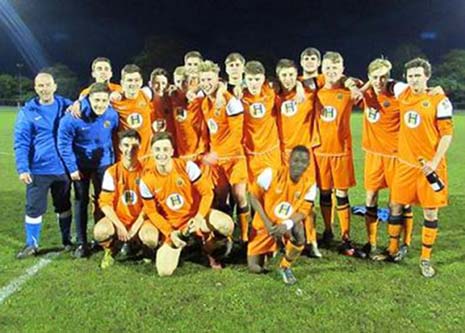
[[35, 136], [86, 143]]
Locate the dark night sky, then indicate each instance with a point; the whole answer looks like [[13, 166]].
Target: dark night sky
[[74, 32]]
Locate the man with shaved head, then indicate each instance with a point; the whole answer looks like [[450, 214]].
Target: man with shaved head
[[38, 163]]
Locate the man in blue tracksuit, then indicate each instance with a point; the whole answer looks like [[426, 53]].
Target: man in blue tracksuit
[[85, 144], [38, 163]]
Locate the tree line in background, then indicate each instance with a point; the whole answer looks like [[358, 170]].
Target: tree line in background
[[158, 52]]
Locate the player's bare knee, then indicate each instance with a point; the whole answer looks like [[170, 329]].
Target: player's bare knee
[[149, 235], [342, 193], [103, 230], [430, 214], [253, 264], [371, 198], [396, 209], [299, 234]]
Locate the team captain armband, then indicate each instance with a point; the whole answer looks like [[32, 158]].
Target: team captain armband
[[234, 107], [444, 113], [108, 183], [444, 109]]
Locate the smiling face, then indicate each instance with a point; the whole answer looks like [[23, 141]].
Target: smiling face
[[163, 152], [209, 82], [131, 84], [378, 79], [332, 71], [99, 102], [45, 87]]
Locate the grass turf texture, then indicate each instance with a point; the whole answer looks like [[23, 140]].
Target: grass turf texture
[[334, 294]]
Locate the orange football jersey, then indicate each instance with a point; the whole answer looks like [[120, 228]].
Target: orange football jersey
[[171, 200], [333, 108], [120, 190], [136, 114], [294, 119], [424, 119], [260, 129], [281, 197], [381, 123], [191, 134], [225, 126]]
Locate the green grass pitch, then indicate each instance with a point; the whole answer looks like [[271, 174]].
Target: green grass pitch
[[334, 294]]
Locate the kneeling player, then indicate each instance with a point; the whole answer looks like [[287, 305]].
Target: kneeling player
[[177, 199], [282, 201], [120, 202]]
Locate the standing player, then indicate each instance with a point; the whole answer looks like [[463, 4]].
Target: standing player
[[225, 128], [295, 121], [101, 73], [310, 60], [192, 60], [134, 108], [157, 91], [333, 154], [38, 163], [121, 202], [177, 198], [281, 200], [426, 133], [381, 124], [85, 144], [190, 132]]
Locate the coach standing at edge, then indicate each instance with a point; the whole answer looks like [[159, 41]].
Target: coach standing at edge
[[38, 163]]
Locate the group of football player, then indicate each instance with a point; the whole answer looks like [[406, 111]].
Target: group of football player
[[176, 167]]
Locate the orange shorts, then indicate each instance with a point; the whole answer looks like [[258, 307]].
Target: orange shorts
[[411, 187], [230, 171], [256, 163], [379, 171], [260, 242], [334, 172]]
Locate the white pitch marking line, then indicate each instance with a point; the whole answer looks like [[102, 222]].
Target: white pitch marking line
[[7, 154], [16, 284]]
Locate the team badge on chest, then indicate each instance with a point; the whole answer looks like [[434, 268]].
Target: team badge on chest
[[175, 201], [412, 119], [129, 198], [135, 120], [289, 108], [372, 115], [283, 210], [328, 114], [257, 110]]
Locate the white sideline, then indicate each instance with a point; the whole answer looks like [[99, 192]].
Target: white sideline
[[16, 284], [7, 154]]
